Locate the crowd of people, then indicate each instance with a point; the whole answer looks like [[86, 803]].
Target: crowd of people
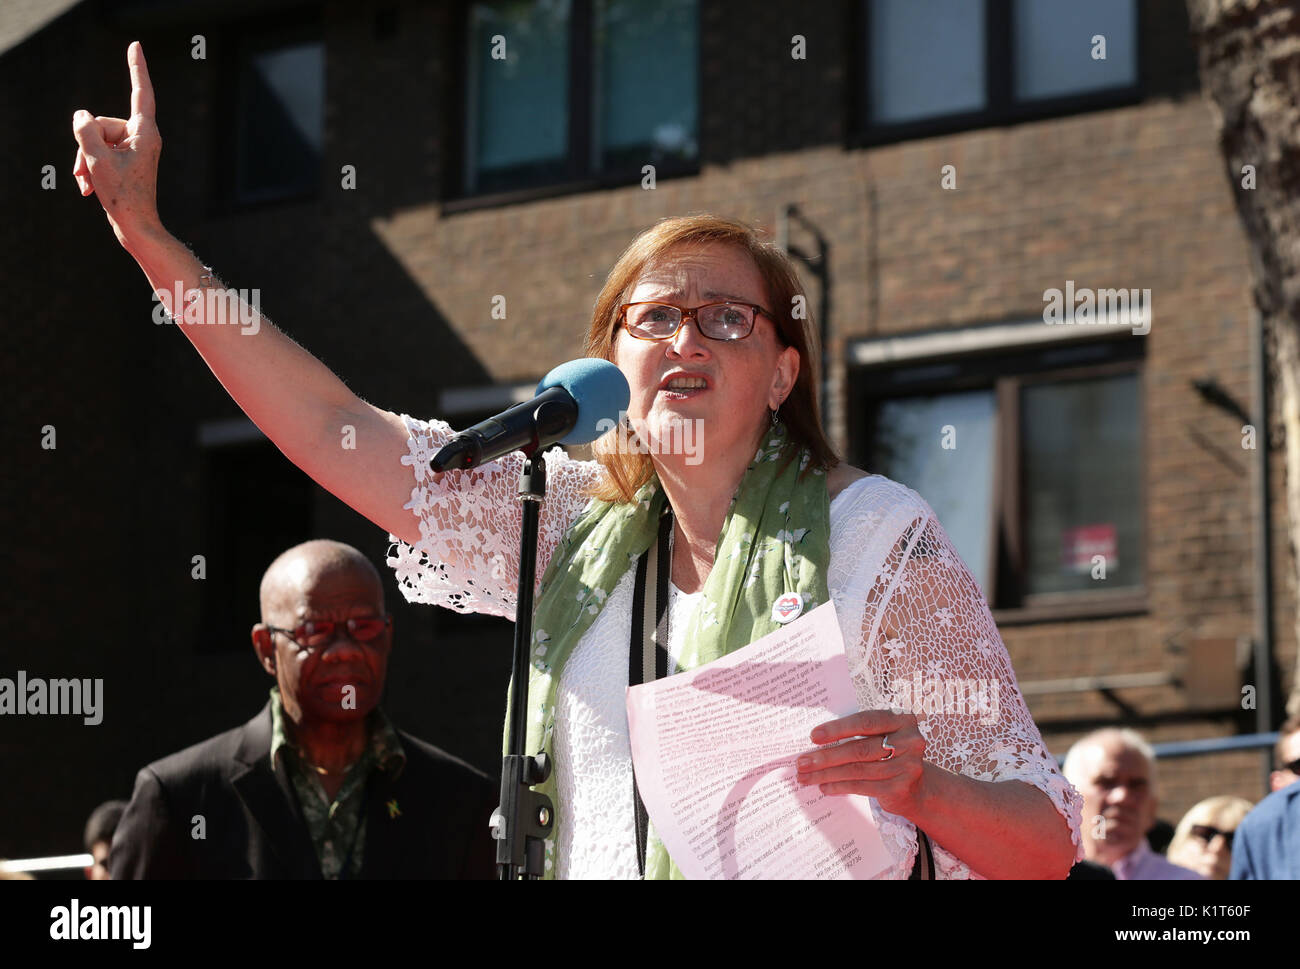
[[1219, 837], [1114, 769], [316, 788]]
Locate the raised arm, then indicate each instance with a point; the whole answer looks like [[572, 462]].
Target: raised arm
[[461, 529], [291, 396]]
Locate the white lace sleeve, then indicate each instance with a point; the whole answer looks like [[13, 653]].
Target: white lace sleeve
[[930, 646], [468, 555]]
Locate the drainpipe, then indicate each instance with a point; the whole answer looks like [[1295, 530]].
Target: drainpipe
[[819, 264], [1264, 542]]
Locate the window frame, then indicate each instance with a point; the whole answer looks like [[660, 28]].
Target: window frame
[[580, 174], [1006, 373], [1001, 106], [242, 42]]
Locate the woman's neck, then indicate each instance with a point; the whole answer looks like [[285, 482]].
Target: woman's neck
[[700, 495]]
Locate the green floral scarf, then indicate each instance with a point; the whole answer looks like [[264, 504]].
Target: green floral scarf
[[775, 540]]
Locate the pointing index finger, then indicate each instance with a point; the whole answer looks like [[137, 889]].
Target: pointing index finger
[[141, 86]]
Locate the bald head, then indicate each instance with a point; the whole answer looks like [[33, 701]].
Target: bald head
[[298, 570], [339, 677]]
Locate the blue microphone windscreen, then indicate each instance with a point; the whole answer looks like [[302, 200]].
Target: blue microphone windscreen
[[601, 391]]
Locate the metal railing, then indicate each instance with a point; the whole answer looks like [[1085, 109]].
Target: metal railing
[[1214, 745], [48, 863]]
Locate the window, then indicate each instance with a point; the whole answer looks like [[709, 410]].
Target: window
[[519, 119], [567, 90], [933, 65], [1033, 462], [956, 481], [1080, 473], [645, 83], [255, 505], [1055, 41], [280, 120], [926, 59]]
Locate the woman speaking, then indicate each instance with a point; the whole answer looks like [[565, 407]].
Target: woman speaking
[[699, 315]]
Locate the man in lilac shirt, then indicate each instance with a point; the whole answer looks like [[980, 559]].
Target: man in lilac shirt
[[1115, 771]]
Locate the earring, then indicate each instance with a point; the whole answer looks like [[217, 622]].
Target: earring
[[776, 415]]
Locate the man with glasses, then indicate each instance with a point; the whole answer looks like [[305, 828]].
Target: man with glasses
[[1267, 842], [319, 784], [1115, 771]]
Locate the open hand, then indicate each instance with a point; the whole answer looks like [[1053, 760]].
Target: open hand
[[117, 159]]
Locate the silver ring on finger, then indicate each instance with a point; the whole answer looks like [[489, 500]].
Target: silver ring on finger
[[886, 746]]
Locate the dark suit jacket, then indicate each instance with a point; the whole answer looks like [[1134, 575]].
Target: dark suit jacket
[[1090, 871], [1267, 842], [254, 829]]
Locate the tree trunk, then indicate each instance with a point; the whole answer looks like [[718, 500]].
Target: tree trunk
[[1249, 53]]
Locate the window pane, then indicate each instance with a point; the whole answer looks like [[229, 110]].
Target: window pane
[[281, 121], [646, 60], [1054, 46], [1082, 479], [256, 504], [926, 58], [957, 479], [518, 103]]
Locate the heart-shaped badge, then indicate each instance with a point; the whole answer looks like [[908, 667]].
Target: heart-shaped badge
[[787, 608]]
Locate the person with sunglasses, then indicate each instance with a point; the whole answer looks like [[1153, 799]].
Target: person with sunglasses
[[1286, 755], [709, 323], [1203, 839], [319, 784], [1266, 844]]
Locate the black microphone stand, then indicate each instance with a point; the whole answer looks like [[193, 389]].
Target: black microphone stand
[[524, 817]]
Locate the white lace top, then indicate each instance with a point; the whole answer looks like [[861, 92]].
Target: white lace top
[[892, 568]]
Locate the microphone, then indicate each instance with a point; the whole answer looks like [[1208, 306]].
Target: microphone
[[572, 401]]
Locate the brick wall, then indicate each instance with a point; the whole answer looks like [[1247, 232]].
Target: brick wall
[[1134, 196]]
